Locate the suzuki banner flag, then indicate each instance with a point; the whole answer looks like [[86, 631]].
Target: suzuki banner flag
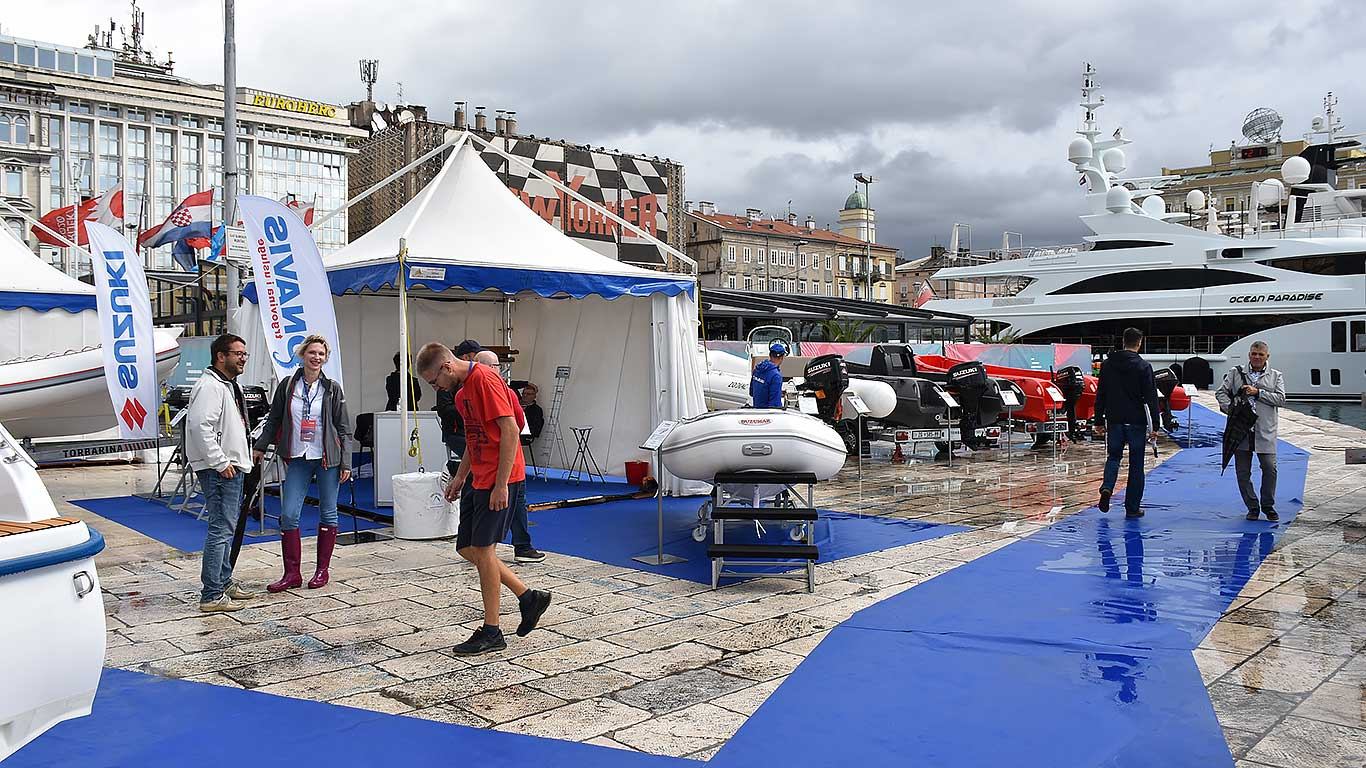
[[130, 361], [291, 284]]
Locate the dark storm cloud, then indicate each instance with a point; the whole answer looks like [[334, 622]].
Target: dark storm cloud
[[797, 96]]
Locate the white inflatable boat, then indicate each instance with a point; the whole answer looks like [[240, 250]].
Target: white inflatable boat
[[749, 439], [725, 379], [52, 630], [51, 366]]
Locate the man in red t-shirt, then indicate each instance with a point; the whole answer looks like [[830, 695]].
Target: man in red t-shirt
[[494, 464]]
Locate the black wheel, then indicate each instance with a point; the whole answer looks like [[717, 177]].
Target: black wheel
[[1042, 439], [941, 447]]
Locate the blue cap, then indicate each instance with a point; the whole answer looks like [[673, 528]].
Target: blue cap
[[777, 347]]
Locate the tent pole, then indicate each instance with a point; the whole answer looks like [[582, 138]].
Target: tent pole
[[403, 345], [452, 144]]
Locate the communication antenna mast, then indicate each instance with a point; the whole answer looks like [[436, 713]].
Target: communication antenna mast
[[369, 74]]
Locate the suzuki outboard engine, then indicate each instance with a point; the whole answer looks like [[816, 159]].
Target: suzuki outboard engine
[[258, 404], [827, 377], [1071, 383], [1166, 381], [968, 381]]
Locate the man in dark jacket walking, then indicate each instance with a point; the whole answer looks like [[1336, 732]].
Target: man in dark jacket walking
[[1126, 415]]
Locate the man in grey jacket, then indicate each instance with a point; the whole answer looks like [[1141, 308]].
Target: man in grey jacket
[[1264, 388], [217, 450]]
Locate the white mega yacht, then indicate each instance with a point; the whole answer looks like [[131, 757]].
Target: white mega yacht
[[1291, 273]]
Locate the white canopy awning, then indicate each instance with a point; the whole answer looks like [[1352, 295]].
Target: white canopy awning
[[467, 231]]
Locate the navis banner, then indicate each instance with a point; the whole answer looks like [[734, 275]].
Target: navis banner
[[130, 361], [291, 284]]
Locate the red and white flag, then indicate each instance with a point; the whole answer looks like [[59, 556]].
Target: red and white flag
[[108, 209], [926, 294], [301, 209]]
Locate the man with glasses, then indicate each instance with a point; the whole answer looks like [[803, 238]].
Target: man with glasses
[[217, 450], [493, 462]]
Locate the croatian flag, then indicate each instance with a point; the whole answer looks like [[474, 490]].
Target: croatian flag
[[925, 296], [192, 218]]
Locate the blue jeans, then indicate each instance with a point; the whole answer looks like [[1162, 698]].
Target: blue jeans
[[222, 506], [299, 473], [1117, 436]]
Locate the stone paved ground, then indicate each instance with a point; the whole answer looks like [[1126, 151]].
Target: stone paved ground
[[639, 661]]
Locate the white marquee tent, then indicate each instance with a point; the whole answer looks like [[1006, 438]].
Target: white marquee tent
[[481, 265]]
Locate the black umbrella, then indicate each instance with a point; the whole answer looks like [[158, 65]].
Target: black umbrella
[[1241, 419]]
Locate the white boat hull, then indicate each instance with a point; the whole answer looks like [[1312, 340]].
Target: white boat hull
[[752, 439], [66, 394], [53, 635]]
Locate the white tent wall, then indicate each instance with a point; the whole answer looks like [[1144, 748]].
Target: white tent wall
[[26, 332], [677, 378], [368, 327], [631, 360], [607, 345]]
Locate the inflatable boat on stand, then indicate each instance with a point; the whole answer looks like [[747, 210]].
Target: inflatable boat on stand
[[52, 633], [765, 446]]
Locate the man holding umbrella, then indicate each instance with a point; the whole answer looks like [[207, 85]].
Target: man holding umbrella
[[1252, 399]]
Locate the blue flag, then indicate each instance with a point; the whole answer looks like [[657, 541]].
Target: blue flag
[[216, 245], [184, 256]]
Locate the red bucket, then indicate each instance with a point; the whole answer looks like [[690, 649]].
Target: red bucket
[[636, 471]]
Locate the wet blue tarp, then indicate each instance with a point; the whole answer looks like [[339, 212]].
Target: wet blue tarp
[[1070, 647]]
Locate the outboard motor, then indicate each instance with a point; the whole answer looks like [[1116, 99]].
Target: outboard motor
[[258, 405], [827, 377], [1166, 381], [968, 381], [1071, 382]]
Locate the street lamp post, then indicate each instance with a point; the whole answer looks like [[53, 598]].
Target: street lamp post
[[866, 180]]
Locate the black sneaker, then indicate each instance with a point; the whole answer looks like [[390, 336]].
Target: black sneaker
[[486, 639], [1253, 514], [1134, 514], [1271, 515], [533, 603], [528, 555], [1104, 503]]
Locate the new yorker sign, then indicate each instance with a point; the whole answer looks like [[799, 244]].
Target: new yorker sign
[[1266, 297], [287, 104]]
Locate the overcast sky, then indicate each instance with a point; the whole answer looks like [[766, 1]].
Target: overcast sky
[[962, 112]]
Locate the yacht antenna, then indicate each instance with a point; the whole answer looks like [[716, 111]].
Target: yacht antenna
[[1329, 102]]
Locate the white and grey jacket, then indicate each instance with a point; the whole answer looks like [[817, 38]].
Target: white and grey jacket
[[215, 431], [1270, 397]]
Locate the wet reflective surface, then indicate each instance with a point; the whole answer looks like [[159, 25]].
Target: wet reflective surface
[[1047, 635]]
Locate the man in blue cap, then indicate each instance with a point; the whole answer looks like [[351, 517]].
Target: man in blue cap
[[766, 385]]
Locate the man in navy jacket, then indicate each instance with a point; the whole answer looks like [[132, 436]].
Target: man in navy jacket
[[766, 385], [1126, 415]]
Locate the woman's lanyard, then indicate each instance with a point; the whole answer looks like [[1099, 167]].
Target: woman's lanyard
[[308, 399], [308, 425]]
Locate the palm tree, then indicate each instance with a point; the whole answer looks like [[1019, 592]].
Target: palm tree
[[848, 331]]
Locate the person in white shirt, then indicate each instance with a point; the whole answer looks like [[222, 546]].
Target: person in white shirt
[[216, 449], [309, 427]]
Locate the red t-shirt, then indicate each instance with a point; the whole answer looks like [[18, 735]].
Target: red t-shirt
[[483, 398]]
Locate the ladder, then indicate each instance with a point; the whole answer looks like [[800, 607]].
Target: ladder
[[556, 440]]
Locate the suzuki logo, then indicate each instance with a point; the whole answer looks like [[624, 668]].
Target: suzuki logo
[[133, 412]]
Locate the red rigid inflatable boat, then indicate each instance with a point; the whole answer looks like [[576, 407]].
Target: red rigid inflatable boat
[[1042, 398]]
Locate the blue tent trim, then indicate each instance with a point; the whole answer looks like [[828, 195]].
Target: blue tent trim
[[46, 302], [440, 277]]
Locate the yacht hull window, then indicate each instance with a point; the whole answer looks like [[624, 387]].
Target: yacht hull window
[[1159, 280]]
